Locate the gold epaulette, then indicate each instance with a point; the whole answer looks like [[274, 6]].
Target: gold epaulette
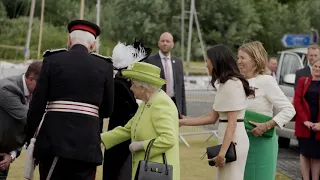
[[107, 58], [53, 51]]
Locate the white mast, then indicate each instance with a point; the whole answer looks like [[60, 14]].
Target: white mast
[[27, 48], [98, 23], [41, 27]]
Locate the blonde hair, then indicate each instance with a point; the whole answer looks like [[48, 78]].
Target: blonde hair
[[258, 54], [313, 46]]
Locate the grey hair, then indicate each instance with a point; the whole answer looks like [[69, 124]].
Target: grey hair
[[82, 37], [148, 86]]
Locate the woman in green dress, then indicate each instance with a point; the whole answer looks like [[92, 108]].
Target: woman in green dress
[[263, 151]]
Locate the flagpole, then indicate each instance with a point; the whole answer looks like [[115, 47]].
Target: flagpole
[[98, 23], [41, 27], [81, 9], [27, 48]]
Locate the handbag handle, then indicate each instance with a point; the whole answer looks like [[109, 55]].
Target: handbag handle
[[147, 156]]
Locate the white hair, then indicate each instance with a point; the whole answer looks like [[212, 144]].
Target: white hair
[[82, 37], [148, 86]]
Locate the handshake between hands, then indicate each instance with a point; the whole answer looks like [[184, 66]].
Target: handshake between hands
[[312, 126]]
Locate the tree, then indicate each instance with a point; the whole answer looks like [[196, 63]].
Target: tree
[[59, 12], [274, 19], [14, 32], [128, 19], [229, 22], [16, 8], [314, 13], [3, 12]]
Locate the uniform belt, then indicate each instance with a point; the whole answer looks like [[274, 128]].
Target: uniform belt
[[225, 121], [73, 107]]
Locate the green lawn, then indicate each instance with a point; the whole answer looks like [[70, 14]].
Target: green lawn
[[192, 168]]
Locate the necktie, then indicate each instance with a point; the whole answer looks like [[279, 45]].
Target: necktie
[[168, 75]]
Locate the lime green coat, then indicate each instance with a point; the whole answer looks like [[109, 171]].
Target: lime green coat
[[158, 118]]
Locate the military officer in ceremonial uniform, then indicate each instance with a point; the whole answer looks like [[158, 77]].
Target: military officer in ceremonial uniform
[[75, 90]]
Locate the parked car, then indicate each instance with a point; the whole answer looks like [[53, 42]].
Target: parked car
[[289, 61]]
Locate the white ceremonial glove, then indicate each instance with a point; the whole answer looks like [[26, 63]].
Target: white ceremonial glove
[[136, 146]]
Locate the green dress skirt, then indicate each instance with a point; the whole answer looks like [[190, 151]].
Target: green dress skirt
[[262, 158]]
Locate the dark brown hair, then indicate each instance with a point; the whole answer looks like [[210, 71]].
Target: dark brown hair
[[224, 67], [34, 69]]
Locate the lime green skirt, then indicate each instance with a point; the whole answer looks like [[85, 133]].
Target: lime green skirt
[[262, 158]]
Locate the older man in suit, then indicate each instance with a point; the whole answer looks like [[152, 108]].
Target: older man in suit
[[15, 93], [313, 54], [171, 71]]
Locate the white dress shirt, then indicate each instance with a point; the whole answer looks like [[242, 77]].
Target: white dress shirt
[[25, 89], [162, 56]]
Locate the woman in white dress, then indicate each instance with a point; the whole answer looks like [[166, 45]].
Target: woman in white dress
[[229, 107]]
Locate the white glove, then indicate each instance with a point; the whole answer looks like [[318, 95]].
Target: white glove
[[136, 146]]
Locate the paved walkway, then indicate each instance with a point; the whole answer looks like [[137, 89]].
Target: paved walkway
[[288, 162]]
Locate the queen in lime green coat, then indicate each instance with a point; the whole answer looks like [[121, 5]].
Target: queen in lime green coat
[[156, 118]]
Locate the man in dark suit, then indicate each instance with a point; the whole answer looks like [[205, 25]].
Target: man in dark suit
[[273, 66], [313, 54], [15, 93], [74, 90], [171, 71]]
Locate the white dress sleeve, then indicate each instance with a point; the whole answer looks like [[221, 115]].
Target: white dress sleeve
[[230, 97], [277, 98]]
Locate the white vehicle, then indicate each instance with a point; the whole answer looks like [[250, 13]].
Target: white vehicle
[[289, 61]]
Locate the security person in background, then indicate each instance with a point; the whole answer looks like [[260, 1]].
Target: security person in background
[[78, 87]]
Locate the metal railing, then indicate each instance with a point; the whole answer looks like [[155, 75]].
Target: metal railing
[[198, 96]]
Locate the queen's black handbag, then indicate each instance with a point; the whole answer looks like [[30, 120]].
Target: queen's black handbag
[[152, 170]]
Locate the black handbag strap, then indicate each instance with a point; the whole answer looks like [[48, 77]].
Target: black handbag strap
[[147, 156]]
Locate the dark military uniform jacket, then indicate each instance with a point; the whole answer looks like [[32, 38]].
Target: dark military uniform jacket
[[73, 75]]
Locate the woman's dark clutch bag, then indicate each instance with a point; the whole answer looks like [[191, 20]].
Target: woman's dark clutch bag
[[213, 151]]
